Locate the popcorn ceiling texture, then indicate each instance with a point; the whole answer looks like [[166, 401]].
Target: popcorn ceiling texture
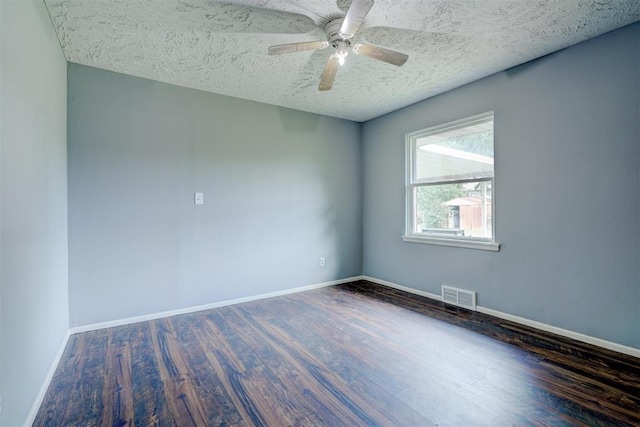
[[222, 47]]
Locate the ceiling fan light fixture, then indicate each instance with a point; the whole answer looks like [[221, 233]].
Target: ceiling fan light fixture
[[342, 50]]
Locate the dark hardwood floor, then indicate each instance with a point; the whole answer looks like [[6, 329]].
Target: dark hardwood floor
[[355, 354]]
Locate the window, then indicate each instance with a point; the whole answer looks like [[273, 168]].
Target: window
[[450, 188]]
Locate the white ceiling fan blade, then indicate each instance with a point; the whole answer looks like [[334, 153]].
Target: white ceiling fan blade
[[279, 49], [329, 74], [355, 15], [381, 54]]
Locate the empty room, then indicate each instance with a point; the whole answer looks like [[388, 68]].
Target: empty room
[[319, 212]]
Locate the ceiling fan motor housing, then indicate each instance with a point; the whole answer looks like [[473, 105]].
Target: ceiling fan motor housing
[[332, 30]]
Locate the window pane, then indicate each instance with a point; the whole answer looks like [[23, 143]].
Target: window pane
[[450, 210], [455, 154]]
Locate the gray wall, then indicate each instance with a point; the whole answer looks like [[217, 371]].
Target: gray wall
[[282, 188], [567, 143], [33, 251]]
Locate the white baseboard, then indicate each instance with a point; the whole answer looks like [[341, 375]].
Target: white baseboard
[[564, 332], [31, 417], [631, 351], [402, 288], [193, 309]]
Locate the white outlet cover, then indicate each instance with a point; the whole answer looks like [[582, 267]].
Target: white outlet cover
[[198, 198]]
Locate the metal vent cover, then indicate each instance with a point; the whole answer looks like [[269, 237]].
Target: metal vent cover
[[459, 297]]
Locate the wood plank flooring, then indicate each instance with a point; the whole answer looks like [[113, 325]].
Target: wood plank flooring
[[356, 354]]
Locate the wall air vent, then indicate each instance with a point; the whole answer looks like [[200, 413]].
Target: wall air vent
[[459, 297]]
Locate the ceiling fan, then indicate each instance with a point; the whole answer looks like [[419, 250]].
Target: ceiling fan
[[340, 32]]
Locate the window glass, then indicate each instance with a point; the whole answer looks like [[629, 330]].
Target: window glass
[[450, 180]]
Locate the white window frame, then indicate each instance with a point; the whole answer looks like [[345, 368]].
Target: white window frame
[[412, 236]]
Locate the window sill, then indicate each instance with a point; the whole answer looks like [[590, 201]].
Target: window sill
[[469, 244]]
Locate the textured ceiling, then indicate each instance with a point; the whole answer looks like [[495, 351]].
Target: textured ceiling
[[222, 47]]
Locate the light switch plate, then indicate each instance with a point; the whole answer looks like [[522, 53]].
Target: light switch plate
[[198, 198]]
